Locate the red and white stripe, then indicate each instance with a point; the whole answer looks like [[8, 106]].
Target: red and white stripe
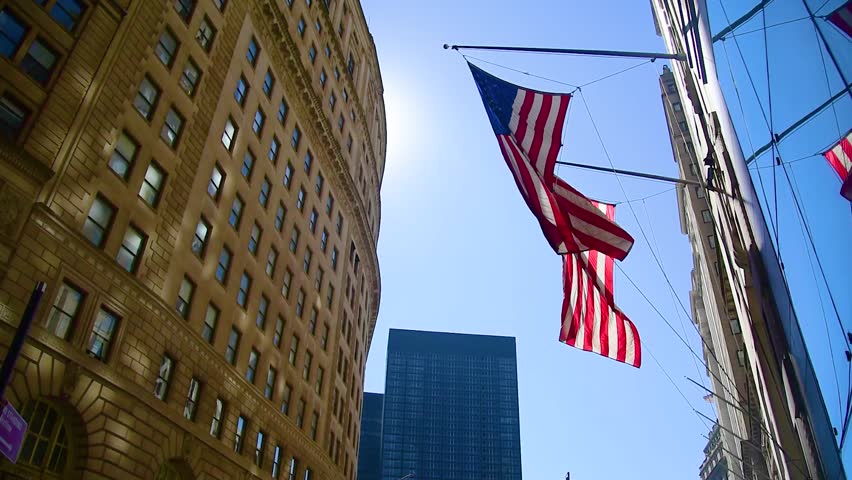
[[840, 159], [590, 319], [568, 219], [842, 18]]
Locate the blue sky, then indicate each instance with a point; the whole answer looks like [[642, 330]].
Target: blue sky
[[460, 252]]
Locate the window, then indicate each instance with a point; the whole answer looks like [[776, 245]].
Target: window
[[233, 346], [312, 53], [102, 332], [278, 332], [152, 184], [334, 259], [300, 303], [257, 124], [45, 445], [220, 5], [312, 322], [251, 369], [294, 349], [241, 91], [332, 101], [300, 199], [254, 238], [699, 192], [13, 115], [236, 212], [64, 312], [216, 422], [12, 33], [252, 52], [294, 240], [306, 369], [279, 216], [262, 310], [245, 287], [271, 260], [711, 239], [164, 376], [677, 106], [248, 165], [166, 48], [285, 286], [99, 221], [276, 461], [214, 187], [229, 133], [336, 74], [282, 111], [285, 398], [340, 122], [327, 51], [240, 434], [39, 61], [312, 224], [297, 136], [205, 34], [189, 77], [306, 264], [270, 383], [300, 413], [191, 404], [318, 26], [223, 264], [211, 319], [146, 98], [263, 197], [324, 240], [350, 65], [683, 127], [339, 224], [274, 147], [184, 9], [313, 433], [346, 96], [131, 249], [258, 448], [319, 184], [288, 175], [741, 358], [184, 298], [322, 78], [706, 216], [329, 296], [268, 83], [123, 155], [292, 475], [318, 282], [324, 337], [301, 26], [329, 204], [202, 234]]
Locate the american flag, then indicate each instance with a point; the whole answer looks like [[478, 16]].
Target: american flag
[[590, 319], [842, 18], [840, 159], [528, 125]]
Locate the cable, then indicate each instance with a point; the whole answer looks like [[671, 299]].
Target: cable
[[685, 399], [520, 71], [616, 73], [732, 34]]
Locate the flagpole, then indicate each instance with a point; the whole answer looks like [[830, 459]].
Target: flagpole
[[635, 174], [572, 51]]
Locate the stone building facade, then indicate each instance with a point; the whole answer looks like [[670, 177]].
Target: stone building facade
[[197, 181]]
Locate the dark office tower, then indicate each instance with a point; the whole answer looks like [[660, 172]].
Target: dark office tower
[[370, 451], [450, 407]]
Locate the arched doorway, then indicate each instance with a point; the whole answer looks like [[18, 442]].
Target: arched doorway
[[175, 469], [47, 451]]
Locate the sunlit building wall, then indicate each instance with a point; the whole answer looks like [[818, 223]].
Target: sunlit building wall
[[197, 182]]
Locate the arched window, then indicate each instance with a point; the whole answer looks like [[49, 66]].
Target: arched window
[[45, 446]]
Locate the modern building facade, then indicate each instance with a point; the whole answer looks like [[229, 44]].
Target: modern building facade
[[772, 413], [450, 407], [370, 452], [197, 181]]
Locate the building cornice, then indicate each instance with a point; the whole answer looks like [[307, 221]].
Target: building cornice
[[24, 163]]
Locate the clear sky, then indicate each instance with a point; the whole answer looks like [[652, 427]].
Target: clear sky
[[460, 251]]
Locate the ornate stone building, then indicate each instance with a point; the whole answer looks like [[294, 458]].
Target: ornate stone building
[[197, 181]]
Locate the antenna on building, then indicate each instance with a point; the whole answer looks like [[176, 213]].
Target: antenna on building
[[568, 476]]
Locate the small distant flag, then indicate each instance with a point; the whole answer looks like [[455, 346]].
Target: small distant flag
[[842, 18], [590, 319], [840, 159], [528, 125]]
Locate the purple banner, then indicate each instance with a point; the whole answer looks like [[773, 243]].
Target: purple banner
[[12, 430]]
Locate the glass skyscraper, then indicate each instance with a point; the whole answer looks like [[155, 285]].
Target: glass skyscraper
[[451, 407], [370, 450]]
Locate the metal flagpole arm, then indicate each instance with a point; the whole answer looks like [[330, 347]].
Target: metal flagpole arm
[[630, 173], [572, 51]]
